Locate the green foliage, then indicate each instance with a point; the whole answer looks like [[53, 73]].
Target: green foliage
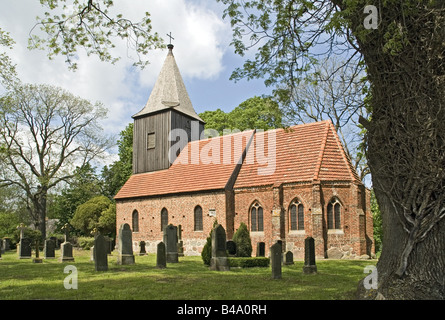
[[242, 241], [91, 26], [95, 213], [249, 262], [115, 176], [8, 224], [85, 242], [206, 253], [82, 187], [254, 113]]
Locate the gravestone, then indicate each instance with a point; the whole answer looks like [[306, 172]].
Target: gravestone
[[24, 247], [109, 244], [125, 255], [66, 252], [309, 256], [6, 246], [37, 259], [275, 260], [261, 249], [289, 258], [142, 251], [100, 252], [171, 243], [161, 261], [231, 248], [92, 253], [180, 242], [49, 249], [219, 261]]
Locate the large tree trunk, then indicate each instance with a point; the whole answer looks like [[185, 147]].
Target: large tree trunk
[[406, 147]]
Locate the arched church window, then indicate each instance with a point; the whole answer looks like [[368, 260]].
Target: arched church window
[[296, 215], [135, 221], [334, 214], [198, 218], [256, 217], [164, 219]]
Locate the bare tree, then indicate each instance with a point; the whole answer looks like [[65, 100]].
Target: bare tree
[[335, 90], [45, 132]]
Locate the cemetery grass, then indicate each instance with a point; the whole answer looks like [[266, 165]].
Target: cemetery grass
[[189, 279]]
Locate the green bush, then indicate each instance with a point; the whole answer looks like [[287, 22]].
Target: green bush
[[206, 252], [249, 262], [243, 242], [85, 242]]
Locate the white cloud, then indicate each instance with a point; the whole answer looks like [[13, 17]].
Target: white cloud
[[200, 42]]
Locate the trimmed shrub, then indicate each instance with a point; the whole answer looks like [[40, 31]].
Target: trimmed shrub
[[85, 242], [206, 253], [243, 242], [249, 262]]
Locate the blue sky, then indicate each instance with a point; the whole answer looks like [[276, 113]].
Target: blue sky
[[202, 53]]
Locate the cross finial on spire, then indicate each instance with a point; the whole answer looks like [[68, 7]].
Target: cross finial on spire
[[170, 36]]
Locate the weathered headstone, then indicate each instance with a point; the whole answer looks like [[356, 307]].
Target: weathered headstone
[[66, 252], [49, 249], [171, 243], [219, 261], [161, 261], [142, 251], [180, 242], [275, 260], [24, 247], [289, 258], [6, 244], [125, 255], [309, 256], [261, 249], [231, 248], [100, 253], [37, 259]]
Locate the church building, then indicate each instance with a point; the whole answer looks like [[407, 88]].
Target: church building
[[284, 184]]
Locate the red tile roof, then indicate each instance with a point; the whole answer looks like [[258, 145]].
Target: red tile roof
[[202, 165], [301, 153]]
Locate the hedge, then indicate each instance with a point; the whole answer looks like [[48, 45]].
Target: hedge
[[249, 262]]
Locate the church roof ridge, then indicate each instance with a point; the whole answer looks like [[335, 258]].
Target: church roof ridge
[[169, 91]]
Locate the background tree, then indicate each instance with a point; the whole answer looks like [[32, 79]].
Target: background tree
[[96, 213], [115, 176], [44, 131], [402, 51], [90, 25], [83, 186], [254, 113]]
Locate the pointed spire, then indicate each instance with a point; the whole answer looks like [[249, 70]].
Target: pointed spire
[[169, 91]]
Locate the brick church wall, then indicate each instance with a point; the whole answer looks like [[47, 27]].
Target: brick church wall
[[180, 212]]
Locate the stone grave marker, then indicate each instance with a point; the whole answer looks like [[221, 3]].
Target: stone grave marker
[[125, 255], [100, 252], [142, 251], [6, 246], [161, 259], [309, 256], [289, 258], [49, 249], [171, 243], [219, 261], [231, 248], [66, 249], [24, 247], [66, 252], [180, 242], [261, 249], [275, 260]]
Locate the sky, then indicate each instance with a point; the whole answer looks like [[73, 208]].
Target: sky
[[201, 48]]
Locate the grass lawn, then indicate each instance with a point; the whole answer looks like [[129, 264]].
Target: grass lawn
[[188, 279]]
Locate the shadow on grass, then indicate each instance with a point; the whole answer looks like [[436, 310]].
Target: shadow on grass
[[188, 279]]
